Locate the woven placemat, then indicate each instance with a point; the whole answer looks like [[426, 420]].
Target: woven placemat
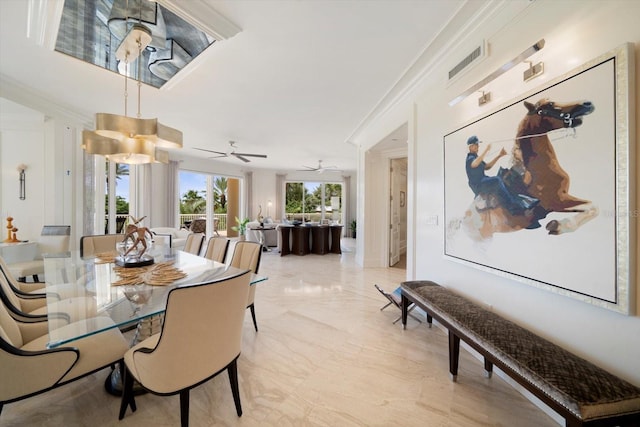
[[160, 274], [106, 257]]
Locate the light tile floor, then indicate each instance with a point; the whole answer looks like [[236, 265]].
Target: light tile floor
[[325, 356]]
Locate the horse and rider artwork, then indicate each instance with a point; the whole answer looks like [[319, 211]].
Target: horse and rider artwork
[[535, 184], [529, 189]]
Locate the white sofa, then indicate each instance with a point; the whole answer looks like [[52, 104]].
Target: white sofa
[[177, 236]]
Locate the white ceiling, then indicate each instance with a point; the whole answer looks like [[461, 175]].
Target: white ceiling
[[295, 83]]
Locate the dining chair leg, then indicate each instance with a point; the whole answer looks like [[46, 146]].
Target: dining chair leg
[[235, 390], [184, 408], [128, 398], [253, 316]]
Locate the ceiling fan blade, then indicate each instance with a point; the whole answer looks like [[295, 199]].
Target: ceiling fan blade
[[211, 151], [264, 156], [239, 156]]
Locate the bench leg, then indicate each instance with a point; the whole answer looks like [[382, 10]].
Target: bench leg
[[488, 368], [454, 353], [405, 310], [429, 319]]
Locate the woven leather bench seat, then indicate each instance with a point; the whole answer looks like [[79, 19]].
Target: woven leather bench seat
[[581, 392]]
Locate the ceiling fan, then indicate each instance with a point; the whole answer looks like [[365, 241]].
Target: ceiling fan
[[231, 151], [319, 169]]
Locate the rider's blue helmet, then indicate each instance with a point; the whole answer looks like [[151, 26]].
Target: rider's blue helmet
[[473, 140]]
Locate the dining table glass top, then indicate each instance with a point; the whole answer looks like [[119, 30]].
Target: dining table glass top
[[82, 298]]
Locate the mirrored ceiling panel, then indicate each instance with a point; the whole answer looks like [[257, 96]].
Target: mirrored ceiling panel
[[92, 30]]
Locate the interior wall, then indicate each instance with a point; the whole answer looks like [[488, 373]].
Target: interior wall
[[264, 189], [22, 141], [575, 33]]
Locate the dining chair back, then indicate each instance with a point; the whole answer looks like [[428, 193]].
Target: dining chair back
[[217, 249], [247, 255], [53, 239], [174, 362], [99, 243], [193, 244]]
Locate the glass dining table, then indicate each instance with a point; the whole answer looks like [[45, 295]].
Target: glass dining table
[[81, 292]]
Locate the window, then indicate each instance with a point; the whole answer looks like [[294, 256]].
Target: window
[[313, 201], [116, 197], [194, 198]]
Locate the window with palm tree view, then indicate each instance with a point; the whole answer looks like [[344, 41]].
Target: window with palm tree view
[[193, 198], [313, 201]]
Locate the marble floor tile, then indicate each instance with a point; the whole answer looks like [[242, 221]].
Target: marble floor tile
[[325, 355]]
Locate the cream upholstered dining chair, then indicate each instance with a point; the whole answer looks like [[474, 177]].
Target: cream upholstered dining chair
[[20, 288], [247, 255], [99, 243], [217, 249], [22, 306], [193, 245], [28, 367], [33, 307], [53, 239], [36, 298], [174, 362]]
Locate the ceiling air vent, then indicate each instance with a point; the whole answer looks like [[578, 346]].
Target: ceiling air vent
[[477, 53]]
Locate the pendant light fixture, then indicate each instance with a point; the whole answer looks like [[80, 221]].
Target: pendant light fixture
[[124, 139]]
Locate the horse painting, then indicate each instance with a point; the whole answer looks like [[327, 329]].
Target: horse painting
[[536, 174]]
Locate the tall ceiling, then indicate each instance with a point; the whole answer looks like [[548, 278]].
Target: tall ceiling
[[295, 83]]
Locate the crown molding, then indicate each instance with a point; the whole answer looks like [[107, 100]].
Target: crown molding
[[203, 16], [24, 95], [469, 17]]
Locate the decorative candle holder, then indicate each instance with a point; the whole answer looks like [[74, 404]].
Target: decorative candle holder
[[11, 232]]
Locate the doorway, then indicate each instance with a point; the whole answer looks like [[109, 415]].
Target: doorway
[[398, 213]]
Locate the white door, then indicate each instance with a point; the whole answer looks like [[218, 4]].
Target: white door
[[394, 227]]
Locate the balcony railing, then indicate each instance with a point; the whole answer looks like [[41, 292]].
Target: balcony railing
[[121, 220], [187, 218]]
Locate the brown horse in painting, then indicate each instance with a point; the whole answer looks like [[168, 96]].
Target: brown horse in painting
[[537, 173]]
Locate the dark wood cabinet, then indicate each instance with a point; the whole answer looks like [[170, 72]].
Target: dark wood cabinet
[[320, 239], [300, 240]]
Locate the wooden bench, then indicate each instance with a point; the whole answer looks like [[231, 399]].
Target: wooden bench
[[584, 394]]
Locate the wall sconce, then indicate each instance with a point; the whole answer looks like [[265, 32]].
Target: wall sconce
[[269, 204], [21, 168], [506, 67]]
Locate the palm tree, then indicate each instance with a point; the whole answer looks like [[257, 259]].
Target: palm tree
[[121, 170], [192, 202], [220, 188]]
